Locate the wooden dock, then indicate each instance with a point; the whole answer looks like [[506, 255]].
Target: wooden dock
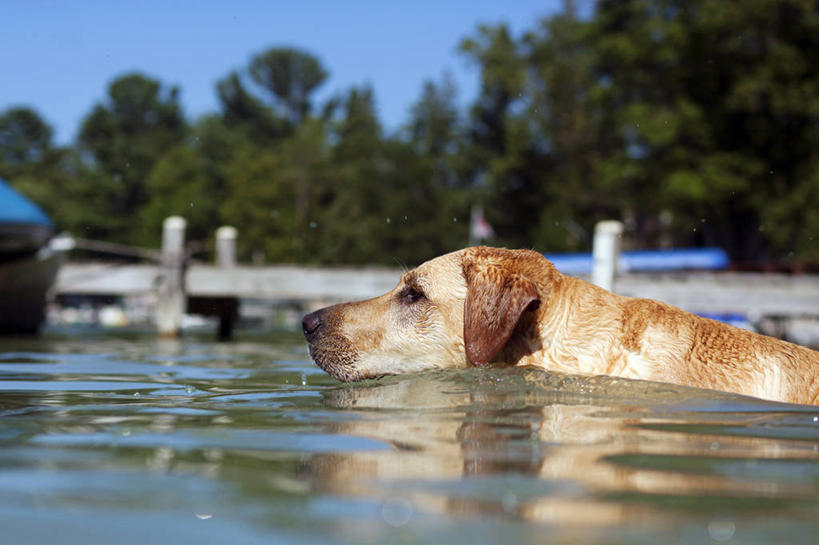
[[178, 285], [278, 282], [754, 295]]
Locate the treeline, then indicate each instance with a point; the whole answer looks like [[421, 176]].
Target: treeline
[[695, 122]]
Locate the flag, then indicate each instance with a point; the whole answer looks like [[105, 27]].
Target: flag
[[479, 228]]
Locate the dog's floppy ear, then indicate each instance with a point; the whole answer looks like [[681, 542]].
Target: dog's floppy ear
[[495, 300]]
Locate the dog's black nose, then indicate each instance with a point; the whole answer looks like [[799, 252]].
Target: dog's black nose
[[310, 324]]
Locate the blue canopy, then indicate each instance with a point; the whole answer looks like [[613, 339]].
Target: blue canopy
[[16, 209]]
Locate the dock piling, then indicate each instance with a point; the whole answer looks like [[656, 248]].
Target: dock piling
[[606, 253], [226, 246], [227, 308], [171, 291]]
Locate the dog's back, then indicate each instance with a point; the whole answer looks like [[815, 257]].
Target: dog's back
[[696, 351]]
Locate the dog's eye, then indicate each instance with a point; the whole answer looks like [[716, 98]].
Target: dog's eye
[[411, 294]]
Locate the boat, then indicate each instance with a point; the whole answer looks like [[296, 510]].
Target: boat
[[29, 262]]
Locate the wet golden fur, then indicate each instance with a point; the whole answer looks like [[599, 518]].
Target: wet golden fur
[[491, 306]]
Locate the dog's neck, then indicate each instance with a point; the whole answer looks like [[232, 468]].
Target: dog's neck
[[565, 330]]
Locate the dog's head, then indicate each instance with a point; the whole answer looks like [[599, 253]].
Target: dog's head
[[474, 306]]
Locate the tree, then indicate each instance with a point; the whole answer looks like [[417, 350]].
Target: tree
[[285, 80], [178, 185], [34, 165], [497, 55], [384, 200], [25, 140], [273, 196], [246, 113], [567, 128], [290, 76], [506, 165], [192, 180], [126, 135], [715, 117], [433, 122], [352, 219]]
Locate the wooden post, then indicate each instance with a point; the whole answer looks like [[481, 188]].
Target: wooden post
[[228, 309], [606, 253], [171, 304], [226, 246]]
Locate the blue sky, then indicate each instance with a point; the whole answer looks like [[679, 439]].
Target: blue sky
[[59, 56]]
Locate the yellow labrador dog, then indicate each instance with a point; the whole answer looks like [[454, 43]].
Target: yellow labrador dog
[[490, 306]]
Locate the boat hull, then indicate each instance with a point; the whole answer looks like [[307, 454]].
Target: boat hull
[[24, 286]]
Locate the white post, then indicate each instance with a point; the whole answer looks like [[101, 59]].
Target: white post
[[606, 253], [226, 246], [171, 304]]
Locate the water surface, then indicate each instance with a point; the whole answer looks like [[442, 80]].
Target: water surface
[[112, 440]]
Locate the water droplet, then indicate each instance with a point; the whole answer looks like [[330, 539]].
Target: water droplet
[[397, 511], [191, 204], [388, 220], [557, 224], [714, 446], [313, 225], [405, 218], [509, 502], [204, 516], [816, 418], [136, 394], [189, 389], [303, 379], [721, 529], [454, 220]]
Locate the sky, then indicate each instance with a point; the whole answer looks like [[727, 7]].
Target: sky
[[58, 57]]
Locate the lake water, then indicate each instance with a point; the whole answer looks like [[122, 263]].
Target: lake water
[[115, 440]]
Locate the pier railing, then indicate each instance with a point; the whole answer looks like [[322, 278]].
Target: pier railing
[[182, 286]]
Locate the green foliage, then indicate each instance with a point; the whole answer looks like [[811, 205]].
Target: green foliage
[[290, 76], [695, 122], [245, 113], [25, 141], [273, 195], [286, 78], [178, 185], [126, 135]]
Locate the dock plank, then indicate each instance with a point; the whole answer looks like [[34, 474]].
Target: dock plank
[[752, 294]]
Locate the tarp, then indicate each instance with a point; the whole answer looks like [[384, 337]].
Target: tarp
[[647, 260], [16, 209]]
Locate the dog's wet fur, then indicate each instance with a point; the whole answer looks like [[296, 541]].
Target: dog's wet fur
[[491, 306]]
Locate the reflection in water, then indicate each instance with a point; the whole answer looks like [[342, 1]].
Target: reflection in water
[[567, 451], [250, 442]]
